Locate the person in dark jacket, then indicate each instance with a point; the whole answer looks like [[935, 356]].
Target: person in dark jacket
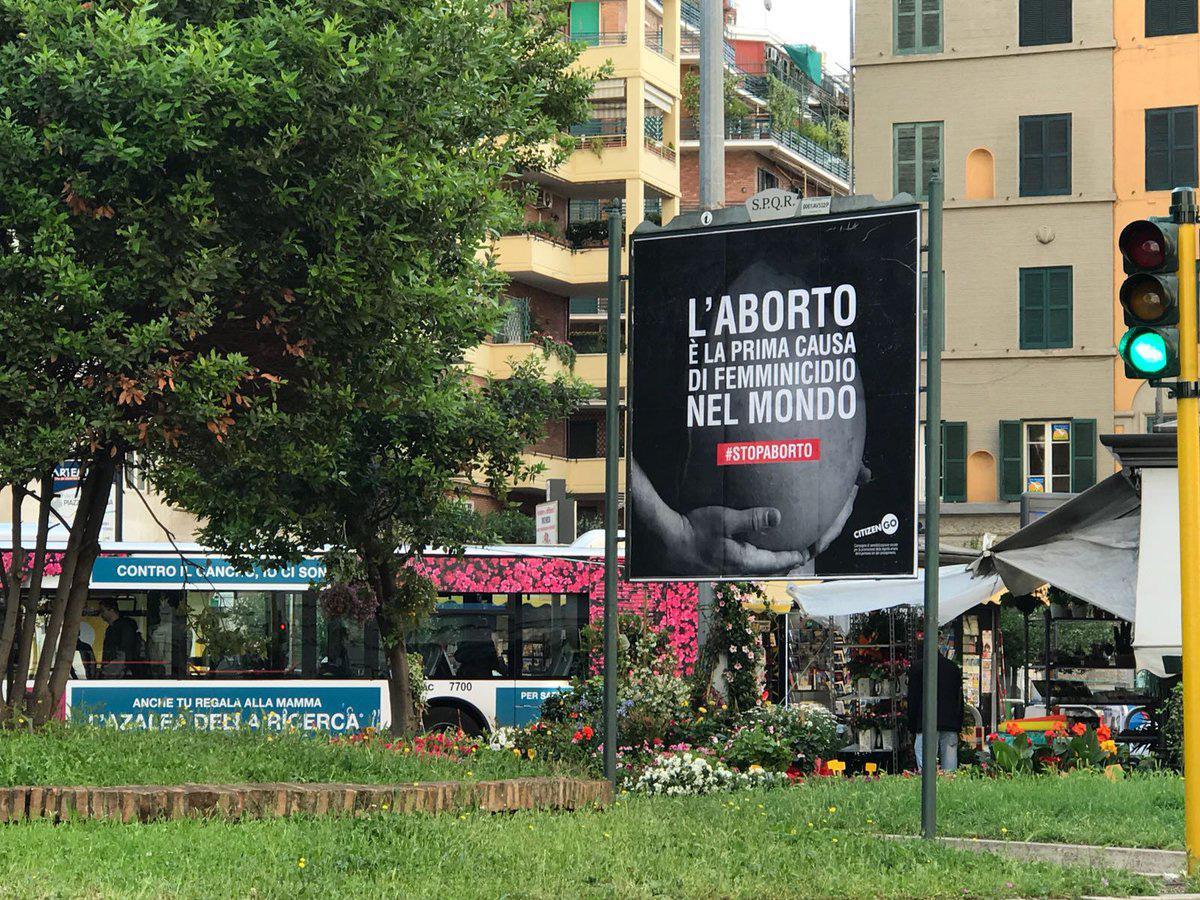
[[122, 642], [949, 708]]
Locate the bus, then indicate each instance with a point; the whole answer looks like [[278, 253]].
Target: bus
[[225, 649]]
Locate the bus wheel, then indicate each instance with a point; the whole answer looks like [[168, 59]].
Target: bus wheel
[[451, 718]]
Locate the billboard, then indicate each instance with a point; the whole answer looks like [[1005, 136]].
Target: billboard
[[773, 382]]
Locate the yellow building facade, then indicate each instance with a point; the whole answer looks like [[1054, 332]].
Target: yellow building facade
[[1156, 77], [627, 150]]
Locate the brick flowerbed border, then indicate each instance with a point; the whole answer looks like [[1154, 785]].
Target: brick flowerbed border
[[265, 801]]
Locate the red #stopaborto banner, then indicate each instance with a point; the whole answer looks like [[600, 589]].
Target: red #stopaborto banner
[[751, 453]]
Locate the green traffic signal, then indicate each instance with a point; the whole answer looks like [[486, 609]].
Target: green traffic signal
[[1149, 353]]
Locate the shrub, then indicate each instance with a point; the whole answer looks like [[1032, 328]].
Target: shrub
[[778, 737], [689, 773]]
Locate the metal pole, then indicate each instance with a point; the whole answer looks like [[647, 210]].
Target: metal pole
[[1187, 431], [712, 105], [612, 453], [933, 503]]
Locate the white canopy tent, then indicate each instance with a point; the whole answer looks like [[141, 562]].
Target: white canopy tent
[[959, 589]]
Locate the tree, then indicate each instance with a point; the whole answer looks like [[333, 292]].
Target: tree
[[227, 222], [374, 438]]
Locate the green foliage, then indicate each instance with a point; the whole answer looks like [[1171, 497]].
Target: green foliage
[[85, 755], [1171, 739], [510, 526], [732, 643], [735, 107], [775, 737], [783, 105]]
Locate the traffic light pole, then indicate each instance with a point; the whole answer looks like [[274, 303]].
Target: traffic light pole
[[612, 455], [933, 508], [1183, 212]]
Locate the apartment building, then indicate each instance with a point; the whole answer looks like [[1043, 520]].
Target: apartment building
[[641, 145], [787, 115], [1014, 103], [627, 150]]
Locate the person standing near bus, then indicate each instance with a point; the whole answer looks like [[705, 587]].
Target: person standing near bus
[[122, 642]]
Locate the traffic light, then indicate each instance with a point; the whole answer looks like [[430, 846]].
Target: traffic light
[[1150, 298]]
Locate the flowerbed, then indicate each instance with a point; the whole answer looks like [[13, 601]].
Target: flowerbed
[[1057, 749]]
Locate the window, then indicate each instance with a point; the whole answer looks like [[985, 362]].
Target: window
[[766, 180], [469, 637], [1170, 148], [1045, 308], [918, 26], [583, 439], [1056, 455], [917, 150], [550, 625], [953, 474], [1045, 22], [1170, 17], [1045, 155]]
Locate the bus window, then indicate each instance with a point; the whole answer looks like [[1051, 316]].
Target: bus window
[[467, 637], [550, 625], [255, 633]]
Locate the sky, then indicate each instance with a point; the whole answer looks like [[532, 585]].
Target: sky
[[823, 23]]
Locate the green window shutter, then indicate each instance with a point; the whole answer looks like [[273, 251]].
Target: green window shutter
[[1033, 309], [1045, 22], [1045, 155], [1045, 308], [1183, 147], [1083, 454], [906, 159], [1170, 148], [585, 21], [1158, 150], [1170, 17], [906, 26], [1012, 469], [954, 462], [931, 25], [1058, 307]]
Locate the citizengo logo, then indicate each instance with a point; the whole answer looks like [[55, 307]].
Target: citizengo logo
[[889, 524]]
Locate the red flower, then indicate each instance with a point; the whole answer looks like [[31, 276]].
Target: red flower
[[1104, 733], [993, 737], [1078, 729], [588, 733], [1014, 729]]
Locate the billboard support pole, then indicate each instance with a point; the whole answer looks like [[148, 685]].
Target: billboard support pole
[[612, 452], [712, 104], [933, 503]]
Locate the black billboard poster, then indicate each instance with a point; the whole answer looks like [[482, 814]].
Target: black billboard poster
[[773, 379]]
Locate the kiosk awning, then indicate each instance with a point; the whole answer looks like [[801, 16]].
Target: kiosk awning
[[959, 590], [1087, 547]]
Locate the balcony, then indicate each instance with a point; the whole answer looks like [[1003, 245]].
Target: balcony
[[596, 38], [762, 130], [498, 360], [551, 264]]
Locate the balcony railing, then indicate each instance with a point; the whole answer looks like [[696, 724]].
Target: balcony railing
[[763, 130], [654, 41], [596, 38], [658, 148]]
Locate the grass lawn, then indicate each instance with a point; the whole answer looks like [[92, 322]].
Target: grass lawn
[[749, 845], [99, 756], [1080, 808]]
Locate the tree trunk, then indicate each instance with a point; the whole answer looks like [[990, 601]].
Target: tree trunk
[[16, 686], [100, 473], [399, 683], [404, 722], [58, 609], [12, 600]]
